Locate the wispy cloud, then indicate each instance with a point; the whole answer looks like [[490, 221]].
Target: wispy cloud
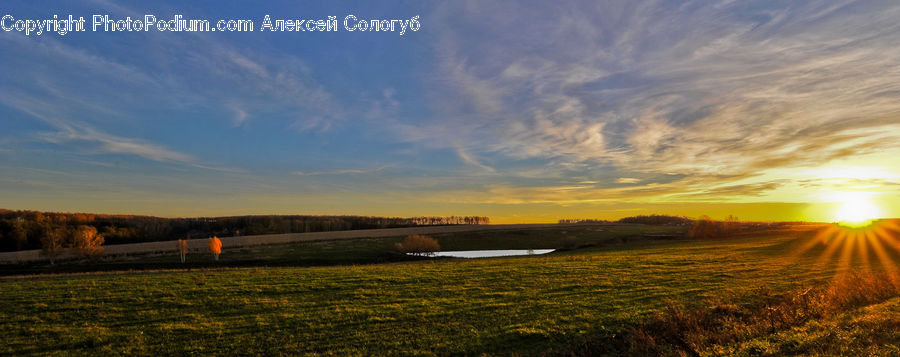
[[471, 160], [342, 172], [713, 91], [627, 180], [73, 131]]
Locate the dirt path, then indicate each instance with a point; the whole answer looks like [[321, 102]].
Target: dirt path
[[244, 241]]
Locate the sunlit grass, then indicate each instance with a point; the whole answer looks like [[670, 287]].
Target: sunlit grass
[[524, 305], [870, 247]]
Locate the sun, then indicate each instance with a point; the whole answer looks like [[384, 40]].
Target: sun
[[856, 210]]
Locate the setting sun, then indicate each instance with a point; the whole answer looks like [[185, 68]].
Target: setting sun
[[857, 210]]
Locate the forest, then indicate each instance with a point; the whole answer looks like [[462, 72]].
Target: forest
[[23, 230]]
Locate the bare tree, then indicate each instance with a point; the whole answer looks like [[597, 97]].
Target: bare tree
[[52, 243], [182, 249]]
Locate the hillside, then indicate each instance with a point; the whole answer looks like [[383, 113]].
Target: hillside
[[527, 305]]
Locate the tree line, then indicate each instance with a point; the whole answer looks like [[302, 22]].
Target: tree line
[[23, 230], [703, 227], [653, 219]]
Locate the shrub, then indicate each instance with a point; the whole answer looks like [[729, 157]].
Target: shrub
[[704, 329], [419, 245], [688, 331], [86, 242]]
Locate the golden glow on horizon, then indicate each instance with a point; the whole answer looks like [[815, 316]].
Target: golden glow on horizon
[[843, 248], [856, 210]]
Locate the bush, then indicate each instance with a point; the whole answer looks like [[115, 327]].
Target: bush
[[86, 242], [419, 245], [688, 331], [692, 331]]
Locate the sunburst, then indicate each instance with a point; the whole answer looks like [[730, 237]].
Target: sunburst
[[877, 242], [856, 210]]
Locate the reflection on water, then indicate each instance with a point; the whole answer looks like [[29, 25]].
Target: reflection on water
[[487, 253]]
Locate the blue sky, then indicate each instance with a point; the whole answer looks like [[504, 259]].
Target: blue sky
[[523, 111]]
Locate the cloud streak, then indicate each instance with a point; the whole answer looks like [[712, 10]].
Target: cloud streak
[[71, 131], [712, 91]]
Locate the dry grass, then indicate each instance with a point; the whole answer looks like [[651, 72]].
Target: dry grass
[[722, 327], [694, 331]]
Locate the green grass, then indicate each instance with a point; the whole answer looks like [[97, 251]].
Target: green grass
[[525, 305]]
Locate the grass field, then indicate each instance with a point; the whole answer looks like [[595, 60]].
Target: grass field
[[526, 305], [360, 251]]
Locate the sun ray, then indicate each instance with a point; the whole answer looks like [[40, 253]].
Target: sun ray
[[862, 246], [875, 240], [841, 249], [817, 240], [845, 260], [834, 242]]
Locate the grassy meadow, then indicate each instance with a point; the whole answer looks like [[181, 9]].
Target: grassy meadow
[[361, 301], [362, 251]]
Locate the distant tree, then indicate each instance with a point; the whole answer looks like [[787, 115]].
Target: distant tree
[[705, 227], [86, 242], [583, 221], [182, 249], [215, 247], [419, 245], [730, 224], [20, 230], [656, 219], [52, 244]]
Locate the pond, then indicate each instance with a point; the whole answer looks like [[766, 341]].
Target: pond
[[488, 253]]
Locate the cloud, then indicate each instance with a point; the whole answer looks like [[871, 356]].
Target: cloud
[[470, 160], [121, 145], [240, 115], [715, 92], [71, 131], [574, 101], [627, 180], [730, 191], [342, 172], [193, 71]]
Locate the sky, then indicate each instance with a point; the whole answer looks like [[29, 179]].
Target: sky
[[523, 111]]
